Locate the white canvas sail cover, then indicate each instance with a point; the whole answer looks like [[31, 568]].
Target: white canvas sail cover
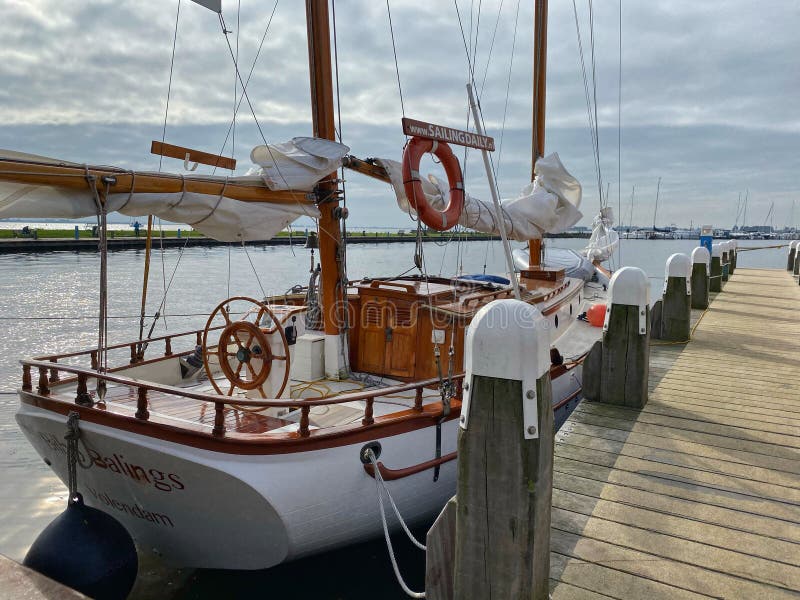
[[216, 216], [549, 204], [297, 164]]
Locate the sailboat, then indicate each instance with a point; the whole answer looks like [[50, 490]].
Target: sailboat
[[242, 445]]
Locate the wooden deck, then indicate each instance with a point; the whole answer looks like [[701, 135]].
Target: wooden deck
[[698, 494]]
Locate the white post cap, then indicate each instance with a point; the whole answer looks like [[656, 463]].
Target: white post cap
[[678, 265], [716, 249], [701, 255], [794, 244], [508, 339], [734, 244], [629, 286]]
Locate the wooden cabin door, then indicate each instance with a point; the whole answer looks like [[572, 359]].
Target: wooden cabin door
[[372, 342], [388, 338], [402, 340]]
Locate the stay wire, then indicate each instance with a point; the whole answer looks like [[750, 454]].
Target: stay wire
[[258, 279], [619, 132], [169, 84], [247, 81], [396, 65], [508, 88]]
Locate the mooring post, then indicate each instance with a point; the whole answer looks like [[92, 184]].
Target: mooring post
[[715, 283], [617, 368], [734, 248], [676, 311], [796, 268], [701, 270], [505, 462], [725, 261], [792, 250]]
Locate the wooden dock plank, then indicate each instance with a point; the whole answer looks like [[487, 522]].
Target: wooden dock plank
[[698, 493]]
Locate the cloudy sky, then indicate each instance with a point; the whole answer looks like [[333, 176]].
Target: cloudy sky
[[710, 91]]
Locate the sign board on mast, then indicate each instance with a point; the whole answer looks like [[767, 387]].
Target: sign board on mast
[[441, 133]]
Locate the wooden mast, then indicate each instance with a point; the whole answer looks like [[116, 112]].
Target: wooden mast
[[539, 102], [330, 235]]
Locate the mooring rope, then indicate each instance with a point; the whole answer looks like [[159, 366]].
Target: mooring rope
[[379, 483]]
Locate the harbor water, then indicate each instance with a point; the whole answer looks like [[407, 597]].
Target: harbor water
[[49, 304]]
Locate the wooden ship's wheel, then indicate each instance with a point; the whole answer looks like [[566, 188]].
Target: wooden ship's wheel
[[241, 357]]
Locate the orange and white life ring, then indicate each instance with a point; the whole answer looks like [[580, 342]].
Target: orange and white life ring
[[438, 220]]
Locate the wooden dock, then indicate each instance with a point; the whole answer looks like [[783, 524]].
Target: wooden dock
[[698, 494]]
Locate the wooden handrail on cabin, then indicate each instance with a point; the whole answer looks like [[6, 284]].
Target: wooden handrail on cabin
[[220, 403]]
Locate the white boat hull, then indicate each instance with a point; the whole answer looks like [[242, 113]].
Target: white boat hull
[[206, 509]]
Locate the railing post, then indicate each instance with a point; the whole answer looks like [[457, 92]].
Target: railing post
[[82, 396], [93, 354], [701, 269], [54, 372], [368, 419], [418, 400], [505, 465], [44, 385], [134, 354], [617, 368], [219, 419], [199, 337], [304, 412], [141, 404], [168, 347], [27, 383]]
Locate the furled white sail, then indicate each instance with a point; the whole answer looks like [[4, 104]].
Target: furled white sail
[[216, 216], [297, 164], [549, 204]]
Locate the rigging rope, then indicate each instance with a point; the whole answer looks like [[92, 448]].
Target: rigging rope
[[619, 133], [169, 85], [592, 124], [247, 81], [396, 66]]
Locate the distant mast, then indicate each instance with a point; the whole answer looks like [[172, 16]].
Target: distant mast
[[539, 104]]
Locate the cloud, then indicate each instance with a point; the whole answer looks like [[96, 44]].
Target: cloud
[[708, 90]]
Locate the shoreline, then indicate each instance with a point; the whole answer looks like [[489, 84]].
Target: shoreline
[[42, 244]]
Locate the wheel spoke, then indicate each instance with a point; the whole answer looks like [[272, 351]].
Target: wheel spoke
[[239, 370], [230, 391], [261, 391], [225, 314], [276, 357]]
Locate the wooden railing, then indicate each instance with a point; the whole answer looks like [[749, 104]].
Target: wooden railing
[[137, 351], [142, 388]]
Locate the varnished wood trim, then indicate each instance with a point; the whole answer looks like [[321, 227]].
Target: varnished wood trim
[[569, 398], [392, 474], [181, 153], [254, 444]]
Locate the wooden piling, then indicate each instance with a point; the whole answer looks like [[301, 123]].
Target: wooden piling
[[701, 269], [792, 252], [505, 470], [616, 369], [676, 311], [734, 248], [725, 262], [715, 283], [796, 269]]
